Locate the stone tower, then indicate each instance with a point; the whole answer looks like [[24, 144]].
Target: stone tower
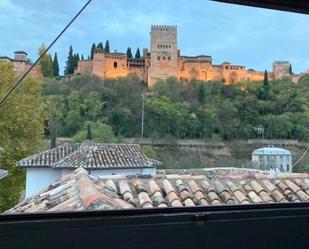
[[164, 55], [281, 69]]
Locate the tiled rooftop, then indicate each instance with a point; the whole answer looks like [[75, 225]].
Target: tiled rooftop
[[80, 191], [214, 173], [3, 173], [90, 156]]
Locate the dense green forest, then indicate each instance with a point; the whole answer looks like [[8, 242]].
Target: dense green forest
[[204, 110]]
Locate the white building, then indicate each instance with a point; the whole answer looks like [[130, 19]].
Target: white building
[[275, 158], [99, 159]]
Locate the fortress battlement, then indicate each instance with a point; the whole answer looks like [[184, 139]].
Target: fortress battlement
[[166, 27], [255, 72], [165, 60]]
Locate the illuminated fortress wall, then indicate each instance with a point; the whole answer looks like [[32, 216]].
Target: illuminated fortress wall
[[164, 60]]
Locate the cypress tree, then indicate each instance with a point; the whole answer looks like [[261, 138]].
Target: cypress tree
[[107, 49], [129, 53], [53, 141], [201, 94], [137, 54], [89, 135], [69, 68], [266, 85], [100, 46], [82, 58], [92, 51], [290, 69], [55, 65], [75, 61]]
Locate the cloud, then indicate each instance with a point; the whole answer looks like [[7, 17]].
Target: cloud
[[242, 35]]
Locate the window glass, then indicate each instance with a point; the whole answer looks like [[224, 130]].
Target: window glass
[[145, 108]]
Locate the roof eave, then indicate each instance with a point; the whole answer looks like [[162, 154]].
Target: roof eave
[[300, 6]]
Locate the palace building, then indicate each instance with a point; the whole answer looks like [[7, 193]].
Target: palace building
[[21, 64], [165, 60]]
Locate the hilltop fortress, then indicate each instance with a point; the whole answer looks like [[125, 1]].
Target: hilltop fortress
[[165, 60]]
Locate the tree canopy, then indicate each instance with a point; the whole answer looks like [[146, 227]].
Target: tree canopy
[[181, 109], [46, 62], [21, 125]]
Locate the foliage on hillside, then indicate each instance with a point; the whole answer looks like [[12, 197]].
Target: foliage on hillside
[[21, 130], [202, 110]]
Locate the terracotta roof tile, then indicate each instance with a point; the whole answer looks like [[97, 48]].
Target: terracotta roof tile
[[227, 197], [257, 187], [265, 197], [189, 203], [212, 196], [153, 186], [278, 196], [168, 187], [232, 186], [158, 199], [194, 187], [139, 186], [220, 187], [306, 184], [201, 198], [124, 187], [184, 195], [144, 199], [172, 196], [240, 197], [292, 186], [79, 191], [281, 185], [109, 184], [254, 197], [290, 195], [303, 196], [205, 185], [181, 185], [269, 186]]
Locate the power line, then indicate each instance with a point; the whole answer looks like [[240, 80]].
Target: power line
[[3, 99]]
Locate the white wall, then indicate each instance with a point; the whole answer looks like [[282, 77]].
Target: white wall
[[37, 179], [281, 162]]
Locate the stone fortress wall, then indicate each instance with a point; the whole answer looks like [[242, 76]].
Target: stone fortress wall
[[164, 60]]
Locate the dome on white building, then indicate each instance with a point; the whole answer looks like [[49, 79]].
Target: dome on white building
[[271, 151]]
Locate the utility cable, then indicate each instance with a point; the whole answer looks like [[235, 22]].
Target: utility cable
[[19, 81], [304, 154]]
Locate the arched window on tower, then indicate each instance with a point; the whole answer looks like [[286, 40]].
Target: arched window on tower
[[115, 64]]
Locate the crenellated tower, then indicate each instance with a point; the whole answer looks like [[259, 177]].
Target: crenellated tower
[[164, 55]]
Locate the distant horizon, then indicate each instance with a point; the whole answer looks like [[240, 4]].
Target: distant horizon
[[246, 36]]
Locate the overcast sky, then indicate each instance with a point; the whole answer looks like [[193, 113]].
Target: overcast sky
[[241, 35]]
